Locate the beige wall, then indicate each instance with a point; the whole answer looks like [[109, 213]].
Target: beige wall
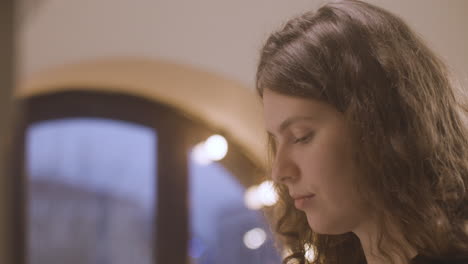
[[218, 36], [442, 23]]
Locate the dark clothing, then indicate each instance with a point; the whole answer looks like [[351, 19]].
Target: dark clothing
[[419, 259]]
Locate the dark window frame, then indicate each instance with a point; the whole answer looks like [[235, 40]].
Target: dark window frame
[[177, 133]]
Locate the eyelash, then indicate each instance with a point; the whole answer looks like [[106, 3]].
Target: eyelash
[[304, 139]]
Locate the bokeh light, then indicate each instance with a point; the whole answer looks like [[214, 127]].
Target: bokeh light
[[251, 199], [260, 196], [267, 193], [216, 147], [254, 238], [199, 155]]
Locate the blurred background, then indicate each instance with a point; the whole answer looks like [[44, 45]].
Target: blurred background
[[131, 132]]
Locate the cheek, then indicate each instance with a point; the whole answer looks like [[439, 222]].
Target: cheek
[[325, 163], [329, 168], [338, 208]]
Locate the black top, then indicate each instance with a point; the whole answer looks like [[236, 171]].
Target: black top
[[420, 259]]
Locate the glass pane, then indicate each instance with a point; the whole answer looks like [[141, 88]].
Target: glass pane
[[221, 223], [91, 194]]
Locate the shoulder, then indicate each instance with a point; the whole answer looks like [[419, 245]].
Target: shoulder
[[421, 259]]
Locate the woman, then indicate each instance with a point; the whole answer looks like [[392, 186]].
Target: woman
[[369, 153]]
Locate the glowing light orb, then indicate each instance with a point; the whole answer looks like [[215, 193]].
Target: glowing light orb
[[216, 147], [254, 238]]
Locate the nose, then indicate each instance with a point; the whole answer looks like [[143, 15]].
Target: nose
[[284, 169]]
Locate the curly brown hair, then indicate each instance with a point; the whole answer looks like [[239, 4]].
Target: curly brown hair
[[398, 99]]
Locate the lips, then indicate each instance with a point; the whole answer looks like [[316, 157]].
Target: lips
[[302, 201], [304, 196]]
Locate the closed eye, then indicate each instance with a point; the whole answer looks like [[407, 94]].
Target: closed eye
[[304, 139]]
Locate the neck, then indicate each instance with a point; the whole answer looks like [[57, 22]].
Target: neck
[[368, 236]]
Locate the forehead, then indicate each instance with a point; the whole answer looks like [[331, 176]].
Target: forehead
[[277, 107]]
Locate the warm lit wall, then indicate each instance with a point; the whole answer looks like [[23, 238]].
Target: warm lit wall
[[443, 24], [217, 39], [224, 104], [220, 36]]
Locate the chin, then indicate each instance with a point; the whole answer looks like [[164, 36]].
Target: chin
[[326, 227]]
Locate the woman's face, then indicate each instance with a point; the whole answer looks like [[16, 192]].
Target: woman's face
[[314, 159]]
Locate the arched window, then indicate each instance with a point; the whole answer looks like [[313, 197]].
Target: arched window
[[112, 178]]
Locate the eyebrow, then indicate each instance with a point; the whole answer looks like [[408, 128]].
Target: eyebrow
[[291, 120]]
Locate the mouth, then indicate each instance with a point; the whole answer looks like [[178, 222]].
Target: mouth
[[303, 196], [302, 201]]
